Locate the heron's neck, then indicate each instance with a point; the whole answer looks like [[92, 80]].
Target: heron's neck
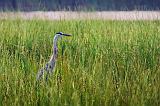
[[55, 48]]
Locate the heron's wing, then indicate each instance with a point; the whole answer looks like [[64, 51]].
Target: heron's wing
[[48, 68], [41, 71], [51, 66]]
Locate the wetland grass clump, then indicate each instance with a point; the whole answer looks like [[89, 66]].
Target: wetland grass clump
[[103, 63]]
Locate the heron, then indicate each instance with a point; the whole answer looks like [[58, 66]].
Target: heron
[[49, 67]]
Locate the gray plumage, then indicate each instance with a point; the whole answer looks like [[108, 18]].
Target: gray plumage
[[49, 67]]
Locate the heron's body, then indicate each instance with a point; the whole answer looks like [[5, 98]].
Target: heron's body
[[51, 64]]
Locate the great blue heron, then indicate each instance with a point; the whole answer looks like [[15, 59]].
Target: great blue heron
[[51, 64]]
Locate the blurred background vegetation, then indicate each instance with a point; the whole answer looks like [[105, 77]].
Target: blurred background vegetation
[[78, 5]]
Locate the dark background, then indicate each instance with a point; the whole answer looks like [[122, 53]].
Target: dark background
[[78, 5]]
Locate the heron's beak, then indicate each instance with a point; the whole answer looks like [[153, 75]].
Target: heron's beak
[[66, 34]]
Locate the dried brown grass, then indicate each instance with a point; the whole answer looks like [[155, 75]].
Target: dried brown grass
[[63, 15]]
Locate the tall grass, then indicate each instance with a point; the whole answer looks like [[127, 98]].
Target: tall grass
[[103, 63]]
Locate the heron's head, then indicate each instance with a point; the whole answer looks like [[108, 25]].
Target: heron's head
[[62, 34]]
